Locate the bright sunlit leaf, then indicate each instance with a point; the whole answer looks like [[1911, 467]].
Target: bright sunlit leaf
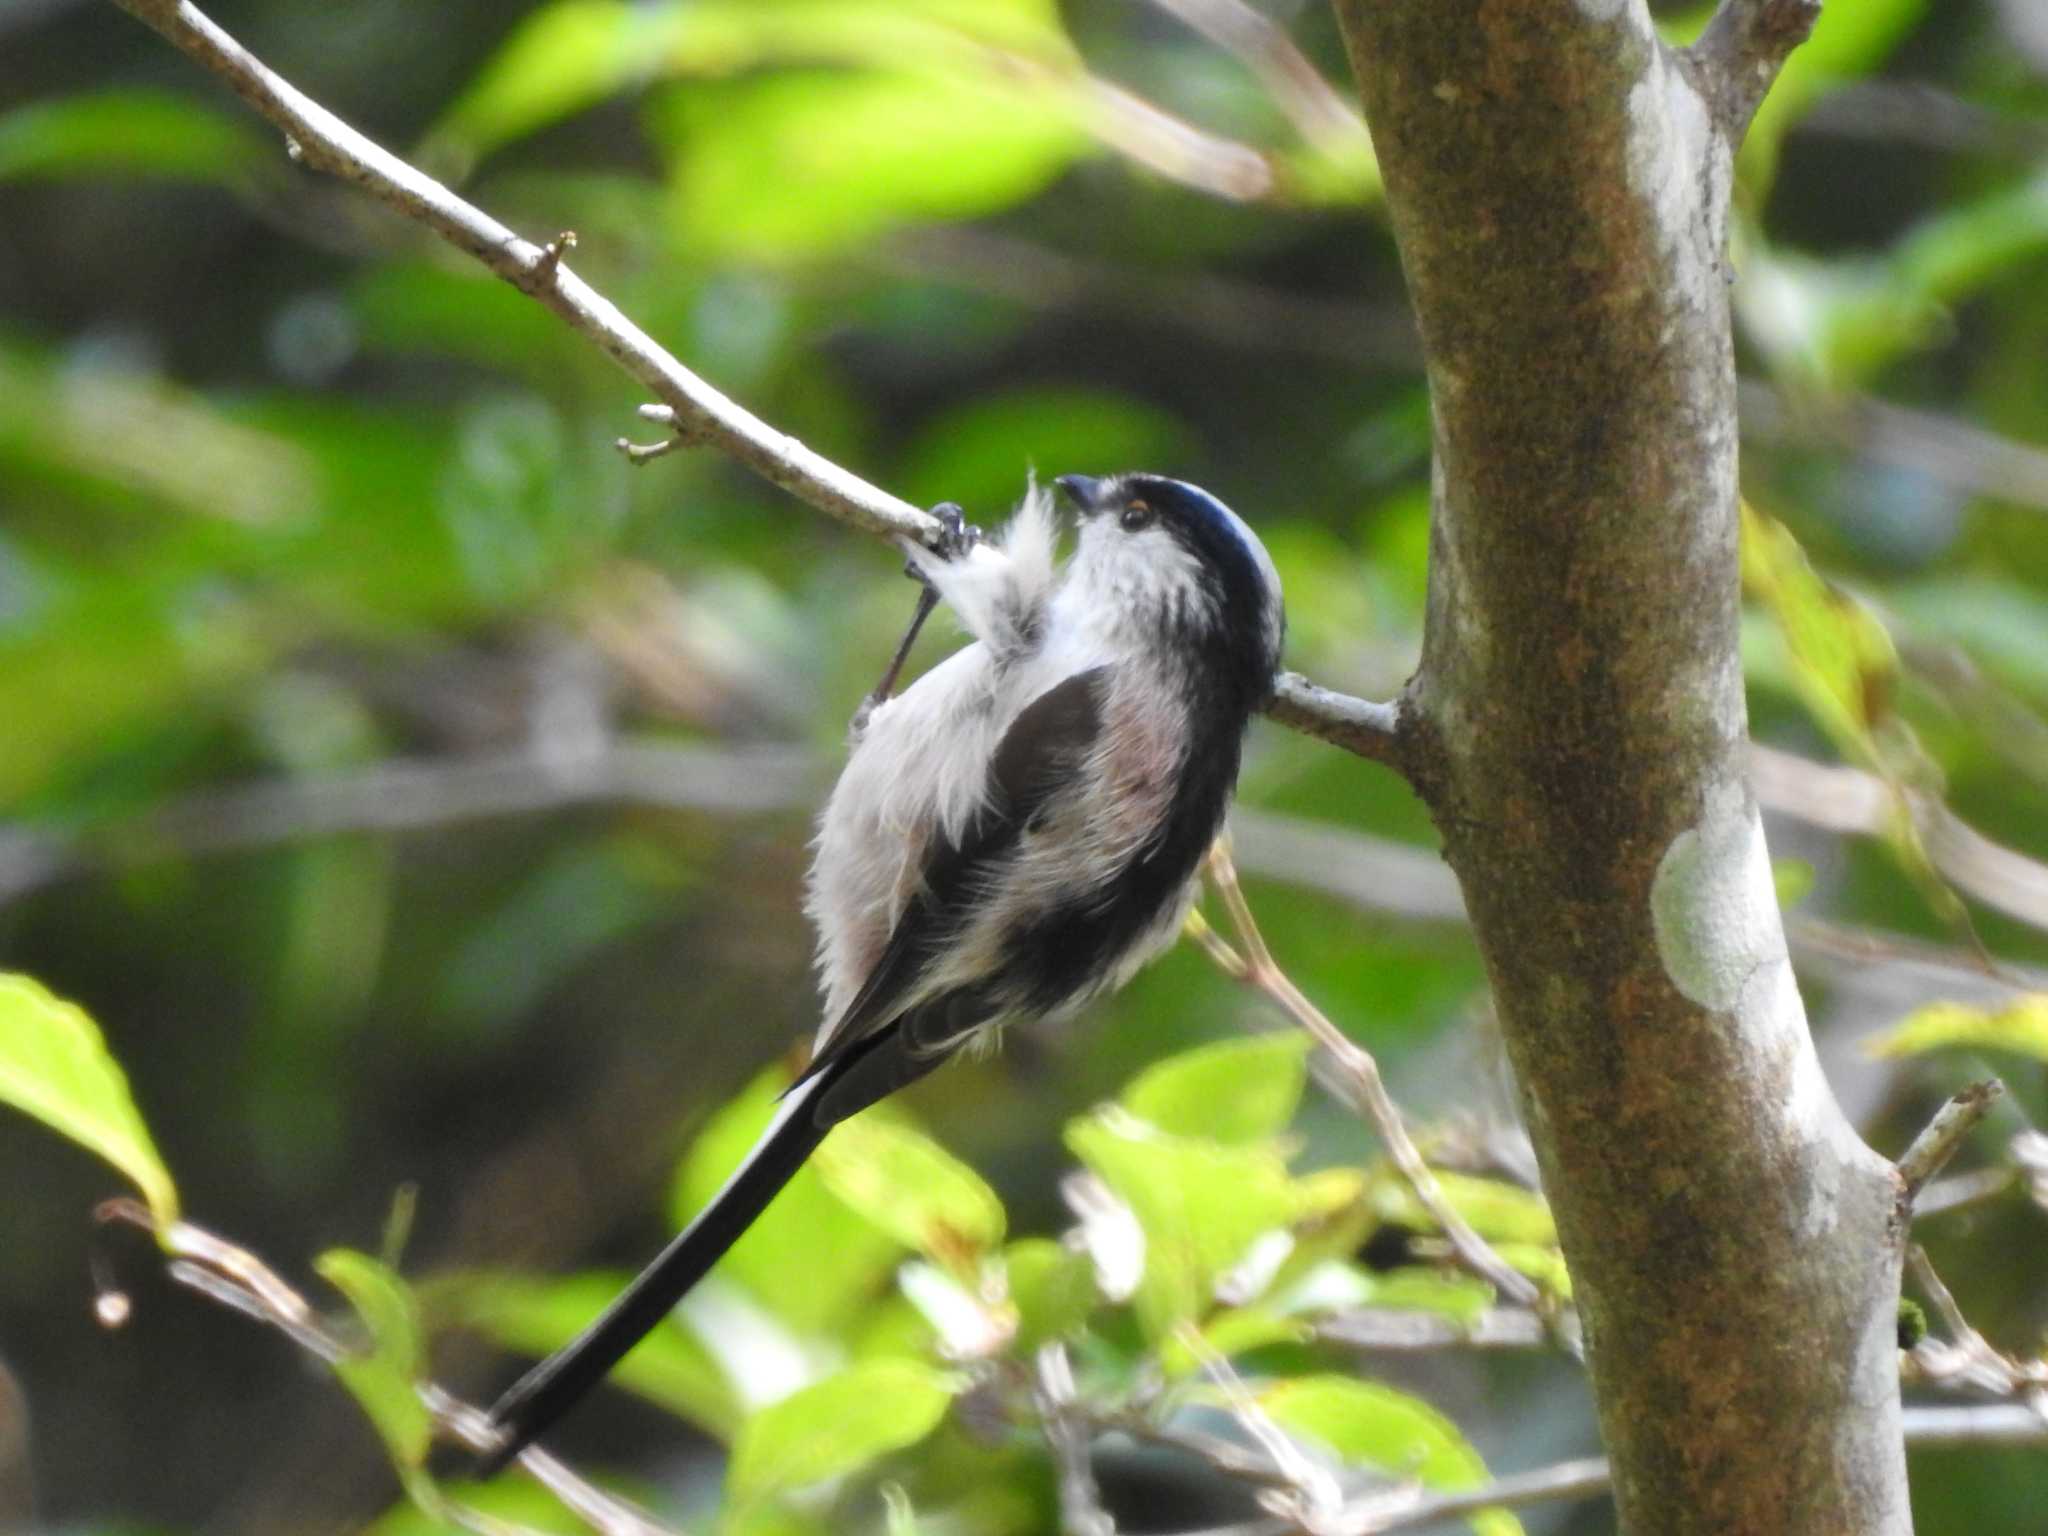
[[1495, 1209], [55, 1065], [909, 1186], [669, 1367], [1234, 1332], [2021, 1026], [383, 1378], [1234, 1091], [1201, 1205], [1376, 1426], [569, 55], [839, 1425], [1792, 879], [1844, 663], [157, 134], [1460, 1297], [1052, 1287], [795, 165], [811, 1259]]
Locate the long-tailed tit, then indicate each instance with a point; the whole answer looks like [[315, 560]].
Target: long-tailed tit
[[1015, 834]]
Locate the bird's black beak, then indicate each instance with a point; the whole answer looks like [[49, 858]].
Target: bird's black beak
[[1085, 491]]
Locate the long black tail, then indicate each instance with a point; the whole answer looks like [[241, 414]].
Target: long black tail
[[558, 1383]]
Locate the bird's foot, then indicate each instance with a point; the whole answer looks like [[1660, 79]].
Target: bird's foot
[[956, 540]]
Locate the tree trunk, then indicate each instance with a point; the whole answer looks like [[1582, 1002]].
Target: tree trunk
[[1559, 185]]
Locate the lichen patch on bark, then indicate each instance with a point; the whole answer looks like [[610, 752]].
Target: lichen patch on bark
[[1713, 906]]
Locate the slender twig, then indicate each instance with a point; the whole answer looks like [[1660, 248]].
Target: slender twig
[[1226, 1456], [1967, 1361], [1943, 448], [1066, 1431], [1357, 725], [1302, 1490], [1952, 1123], [1843, 798], [1319, 113], [1983, 1424], [2029, 1153], [321, 140], [1375, 1513], [1941, 1296], [1365, 1090], [231, 1276], [1741, 52], [1966, 1189], [1586, 1477], [1405, 1329]]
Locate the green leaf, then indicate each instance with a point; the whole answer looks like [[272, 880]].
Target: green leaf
[[909, 1186], [798, 165], [977, 453], [570, 55], [1844, 664], [1792, 879], [2021, 1026], [559, 60], [1541, 1262], [55, 1065], [1053, 1289], [1229, 1333], [537, 1317], [811, 1259], [157, 134], [1373, 1425], [1845, 670], [1497, 1210], [384, 1379], [1462, 1298], [525, 1505], [1200, 1204], [1241, 1090], [839, 1425]]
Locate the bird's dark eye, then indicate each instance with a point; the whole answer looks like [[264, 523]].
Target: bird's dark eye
[[1136, 515]]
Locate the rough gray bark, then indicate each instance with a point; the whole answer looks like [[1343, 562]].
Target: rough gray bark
[[1559, 186]]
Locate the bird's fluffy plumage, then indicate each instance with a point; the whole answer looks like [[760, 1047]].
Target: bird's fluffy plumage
[[1015, 834]]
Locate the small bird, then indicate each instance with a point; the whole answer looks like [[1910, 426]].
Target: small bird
[[1015, 834]]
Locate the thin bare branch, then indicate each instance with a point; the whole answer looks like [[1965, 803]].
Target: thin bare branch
[[1319, 114], [1369, 729], [1405, 1329], [1586, 1477], [322, 141], [1066, 1432], [1934, 1146], [1741, 52], [1945, 449], [1364, 1089], [1988, 1424], [1966, 1361], [231, 1276], [1964, 1190], [1842, 798]]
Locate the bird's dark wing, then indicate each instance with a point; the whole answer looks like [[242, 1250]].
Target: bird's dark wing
[[875, 1049], [1044, 750]]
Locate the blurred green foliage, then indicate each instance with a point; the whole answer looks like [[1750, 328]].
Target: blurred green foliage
[[414, 790], [877, 1372]]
